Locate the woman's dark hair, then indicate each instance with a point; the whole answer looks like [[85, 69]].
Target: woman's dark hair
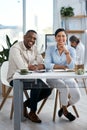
[[74, 39], [59, 30]]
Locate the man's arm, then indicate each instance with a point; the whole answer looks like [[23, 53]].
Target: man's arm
[[17, 58]]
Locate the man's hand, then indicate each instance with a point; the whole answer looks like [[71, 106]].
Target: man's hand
[[40, 66], [32, 67], [36, 67]]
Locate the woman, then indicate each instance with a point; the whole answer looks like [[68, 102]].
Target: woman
[[61, 56]]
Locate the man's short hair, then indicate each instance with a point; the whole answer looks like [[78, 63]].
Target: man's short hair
[[31, 31], [73, 38]]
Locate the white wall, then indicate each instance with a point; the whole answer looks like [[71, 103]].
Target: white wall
[[78, 5]]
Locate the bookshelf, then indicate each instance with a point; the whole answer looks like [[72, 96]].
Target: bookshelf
[[75, 25]]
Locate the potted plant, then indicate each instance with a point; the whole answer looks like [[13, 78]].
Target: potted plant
[[4, 54], [66, 12]]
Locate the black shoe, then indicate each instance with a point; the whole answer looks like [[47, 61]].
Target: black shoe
[[70, 116], [25, 112], [60, 112], [33, 117]]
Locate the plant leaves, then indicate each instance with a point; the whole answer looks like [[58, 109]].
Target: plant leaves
[[8, 41], [67, 11], [4, 54]]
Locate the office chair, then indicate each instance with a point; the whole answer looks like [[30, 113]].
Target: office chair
[[5, 84]]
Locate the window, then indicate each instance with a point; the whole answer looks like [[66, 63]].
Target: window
[[39, 16], [10, 20]]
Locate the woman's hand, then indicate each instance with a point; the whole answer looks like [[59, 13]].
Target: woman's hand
[[56, 66], [66, 51]]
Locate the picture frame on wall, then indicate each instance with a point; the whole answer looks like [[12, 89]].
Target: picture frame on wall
[[49, 40]]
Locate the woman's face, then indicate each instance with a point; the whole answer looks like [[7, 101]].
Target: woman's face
[[61, 38]]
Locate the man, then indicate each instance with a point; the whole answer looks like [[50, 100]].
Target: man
[[24, 55], [80, 50]]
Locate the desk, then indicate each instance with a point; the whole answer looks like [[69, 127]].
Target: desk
[[18, 89]]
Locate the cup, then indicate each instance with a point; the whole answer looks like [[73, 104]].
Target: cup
[[23, 71], [79, 69]]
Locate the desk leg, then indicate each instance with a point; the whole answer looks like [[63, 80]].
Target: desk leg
[[21, 100], [18, 103]]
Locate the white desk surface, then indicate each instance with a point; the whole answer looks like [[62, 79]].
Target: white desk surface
[[52, 74]]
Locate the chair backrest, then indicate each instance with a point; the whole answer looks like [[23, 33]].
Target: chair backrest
[[4, 70]]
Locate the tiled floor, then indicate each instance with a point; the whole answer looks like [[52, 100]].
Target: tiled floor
[[46, 117]]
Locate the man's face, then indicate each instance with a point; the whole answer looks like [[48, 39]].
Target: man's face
[[73, 44], [29, 39]]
